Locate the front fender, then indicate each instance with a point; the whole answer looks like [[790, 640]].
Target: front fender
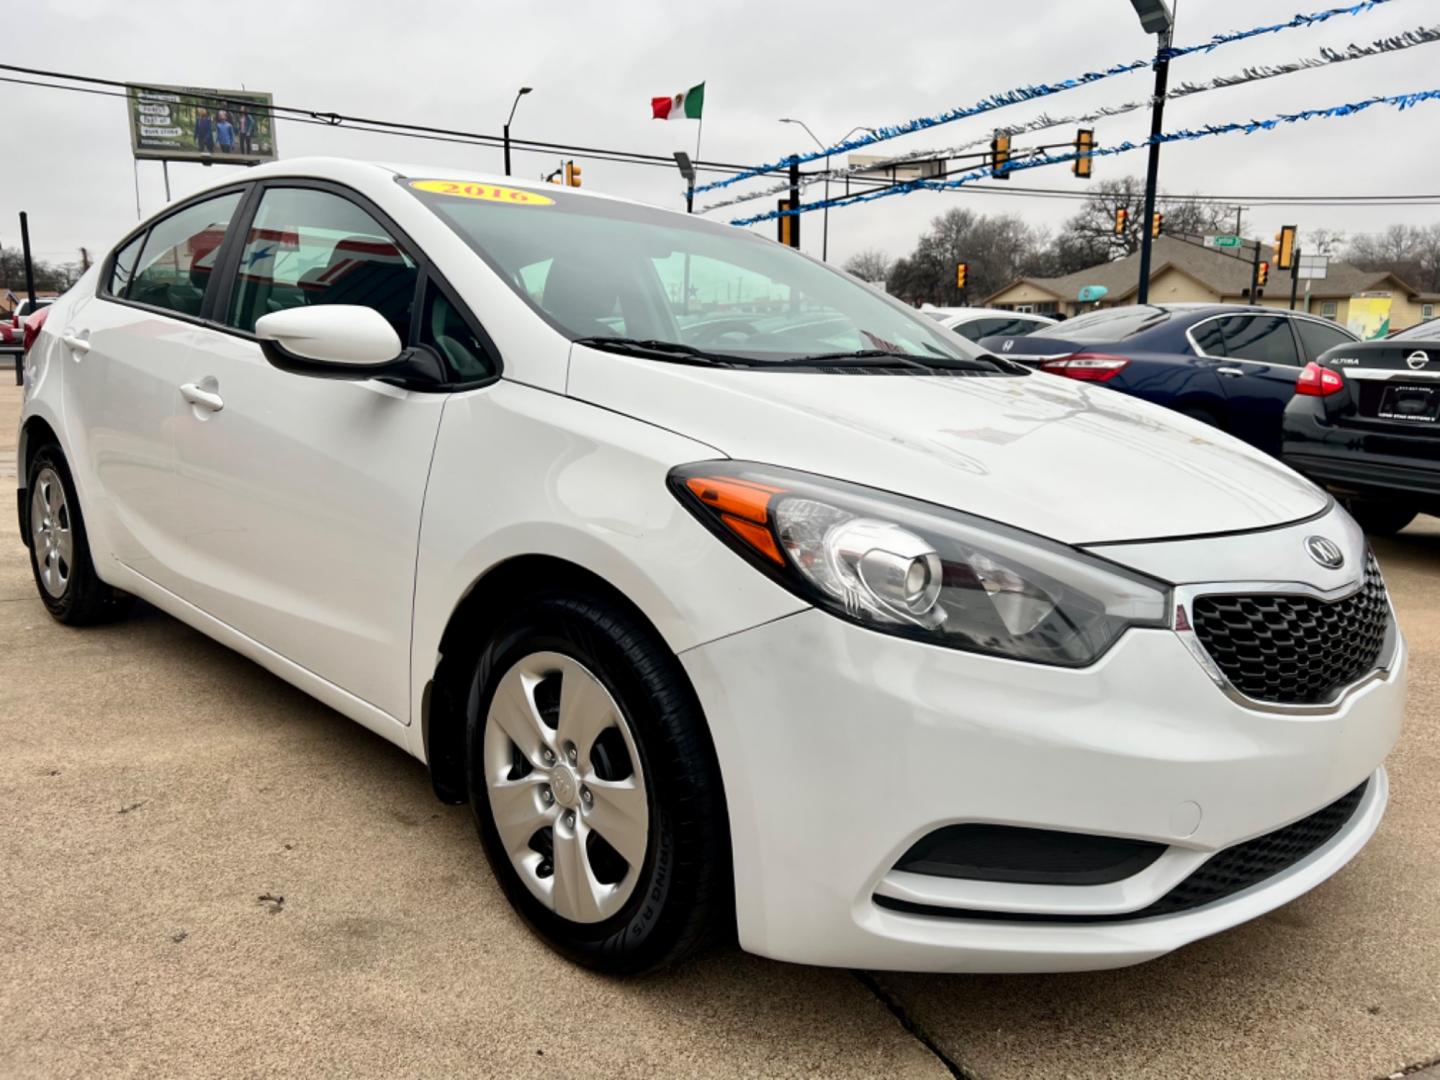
[[519, 471]]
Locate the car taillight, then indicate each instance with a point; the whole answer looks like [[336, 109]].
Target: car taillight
[[33, 323], [1088, 367], [1317, 381]]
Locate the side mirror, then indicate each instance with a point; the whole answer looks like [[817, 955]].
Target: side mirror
[[343, 341]]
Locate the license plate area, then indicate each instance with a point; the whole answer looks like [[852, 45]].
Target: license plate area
[[1409, 403]]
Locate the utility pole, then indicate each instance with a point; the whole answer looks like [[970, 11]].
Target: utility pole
[[1155, 18], [795, 202], [29, 263]]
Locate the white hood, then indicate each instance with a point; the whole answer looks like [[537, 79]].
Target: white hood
[[1074, 462]]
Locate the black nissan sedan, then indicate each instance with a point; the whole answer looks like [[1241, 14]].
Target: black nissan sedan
[[1365, 423]]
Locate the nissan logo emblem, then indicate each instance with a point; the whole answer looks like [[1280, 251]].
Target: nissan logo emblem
[[1325, 552], [1417, 360]]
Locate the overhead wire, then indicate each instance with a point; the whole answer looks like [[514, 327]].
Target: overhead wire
[[1022, 94]]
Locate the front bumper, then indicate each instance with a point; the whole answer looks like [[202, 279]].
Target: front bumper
[[841, 747]]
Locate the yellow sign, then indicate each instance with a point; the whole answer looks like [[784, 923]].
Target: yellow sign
[[1370, 316], [489, 192]]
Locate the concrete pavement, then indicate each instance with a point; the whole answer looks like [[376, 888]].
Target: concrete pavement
[[203, 872]]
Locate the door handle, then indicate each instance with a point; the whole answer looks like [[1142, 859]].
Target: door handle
[[75, 343], [1231, 371], [205, 399]]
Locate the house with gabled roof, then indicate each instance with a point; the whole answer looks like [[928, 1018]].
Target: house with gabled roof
[[1183, 272]]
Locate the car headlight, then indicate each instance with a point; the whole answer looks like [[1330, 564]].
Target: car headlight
[[911, 568]]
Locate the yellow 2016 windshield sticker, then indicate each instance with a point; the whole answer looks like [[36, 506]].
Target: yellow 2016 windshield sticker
[[462, 189]]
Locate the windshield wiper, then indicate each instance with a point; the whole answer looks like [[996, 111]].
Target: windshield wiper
[[660, 350], [886, 358]]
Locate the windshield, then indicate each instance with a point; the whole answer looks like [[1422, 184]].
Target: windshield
[[1108, 324], [1425, 331], [596, 269]]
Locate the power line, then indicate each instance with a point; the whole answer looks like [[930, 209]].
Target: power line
[[328, 118], [423, 133], [1031, 93]]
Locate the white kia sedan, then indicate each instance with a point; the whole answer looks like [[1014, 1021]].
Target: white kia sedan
[[733, 596]]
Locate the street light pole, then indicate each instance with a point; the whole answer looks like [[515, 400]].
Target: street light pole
[[523, 91], [1155, 18]]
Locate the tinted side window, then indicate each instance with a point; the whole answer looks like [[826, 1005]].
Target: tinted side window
[[124, 268], [179, 255], [975, 329], [310, 247], [446, 331], [1317, 337], [1264, 338], [1210, 337]]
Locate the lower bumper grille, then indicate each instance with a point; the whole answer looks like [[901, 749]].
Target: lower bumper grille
[[1224, 874]]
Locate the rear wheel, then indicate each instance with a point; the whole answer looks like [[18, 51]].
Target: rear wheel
[[1381, 518], [60, 549], [595, 788]]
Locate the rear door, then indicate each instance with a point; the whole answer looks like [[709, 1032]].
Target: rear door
[[304, 494], [1262, 361], [126, 350]]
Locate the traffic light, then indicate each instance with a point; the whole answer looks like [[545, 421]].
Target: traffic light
[[1262, 274], [1122, 218], [1285, 247], [572, 174], [961, 271], [1084, 146], [1157, 223], [1000, 155], [786, 224]]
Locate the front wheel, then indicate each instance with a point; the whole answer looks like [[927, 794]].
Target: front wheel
[[60, 548], [1381, 518], [595, 788]]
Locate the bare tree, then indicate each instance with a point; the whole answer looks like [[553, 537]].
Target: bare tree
[[1091, 234], [872, 264], [997, 250]]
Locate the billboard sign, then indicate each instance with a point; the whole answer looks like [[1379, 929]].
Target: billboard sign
[[1369, 316], [190, 123]]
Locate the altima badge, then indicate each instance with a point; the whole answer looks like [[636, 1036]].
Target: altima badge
[[1325, 552]]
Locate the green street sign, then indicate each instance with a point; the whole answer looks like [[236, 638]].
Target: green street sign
[[1227, 241]]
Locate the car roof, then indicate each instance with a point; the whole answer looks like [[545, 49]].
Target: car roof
[[342, 169], [965, 314]]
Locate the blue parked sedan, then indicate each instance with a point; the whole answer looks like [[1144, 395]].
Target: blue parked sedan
[[1229, 365]]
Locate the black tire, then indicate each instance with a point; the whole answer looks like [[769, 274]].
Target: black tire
[[1381, 518], [83, 599], [682, 897]]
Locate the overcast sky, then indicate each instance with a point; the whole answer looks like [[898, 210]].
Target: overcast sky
[[595, 66]]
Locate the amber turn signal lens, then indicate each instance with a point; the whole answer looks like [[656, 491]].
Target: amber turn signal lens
[[743, 507]]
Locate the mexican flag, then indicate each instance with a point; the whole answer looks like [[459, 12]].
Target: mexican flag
[[685, 105]]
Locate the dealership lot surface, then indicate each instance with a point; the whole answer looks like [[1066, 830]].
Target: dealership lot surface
[[155, 787]]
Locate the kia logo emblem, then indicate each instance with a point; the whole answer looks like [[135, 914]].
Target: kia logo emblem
[[1325, 552], [1417, 360]]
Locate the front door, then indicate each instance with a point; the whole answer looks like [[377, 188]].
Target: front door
[[304, 494]]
